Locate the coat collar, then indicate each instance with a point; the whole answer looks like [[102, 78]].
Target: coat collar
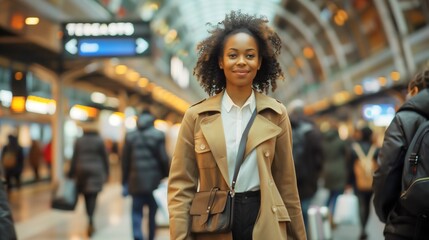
[[212, 128], [214, 103]]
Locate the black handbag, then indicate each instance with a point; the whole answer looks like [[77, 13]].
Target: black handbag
[[65, 195], [212, 211]]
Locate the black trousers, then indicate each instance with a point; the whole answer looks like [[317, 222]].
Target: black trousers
[[246, 209], [90, 201]]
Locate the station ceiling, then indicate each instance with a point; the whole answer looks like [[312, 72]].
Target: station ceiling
[[322, 39]]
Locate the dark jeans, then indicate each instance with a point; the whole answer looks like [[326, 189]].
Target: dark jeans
[[332, 200], [305, 205], [137, 215], [246, 209]]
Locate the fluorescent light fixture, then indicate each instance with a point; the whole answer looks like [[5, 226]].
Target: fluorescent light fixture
[[98, 97]]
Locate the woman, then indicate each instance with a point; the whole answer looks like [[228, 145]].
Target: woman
[[34, 157], [362, 164], [236, 63], [400, 224], [12, 159], [90, 168]]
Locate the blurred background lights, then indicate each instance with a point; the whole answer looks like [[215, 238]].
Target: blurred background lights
[[116, 119], [98, 97], [130, 122], [5, 98], [32, 21]]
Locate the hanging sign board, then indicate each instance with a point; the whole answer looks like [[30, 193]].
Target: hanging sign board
[[106, 39]]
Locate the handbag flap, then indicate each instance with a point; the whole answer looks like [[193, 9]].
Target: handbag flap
[[201, 202]]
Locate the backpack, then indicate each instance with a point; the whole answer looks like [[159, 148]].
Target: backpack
[[9, 159], [364, 167], [415, 175], [298, 147]]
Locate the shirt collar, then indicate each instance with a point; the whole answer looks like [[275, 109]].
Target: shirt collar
[[227, 102]]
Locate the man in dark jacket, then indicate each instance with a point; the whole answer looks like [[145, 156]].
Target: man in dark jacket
[[387, 179], [144, 164], [7, 229], [307, 154]]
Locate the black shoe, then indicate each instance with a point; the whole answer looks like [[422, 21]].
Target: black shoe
[[90, 230]]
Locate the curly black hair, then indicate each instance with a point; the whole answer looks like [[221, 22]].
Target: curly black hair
[[212, 78]]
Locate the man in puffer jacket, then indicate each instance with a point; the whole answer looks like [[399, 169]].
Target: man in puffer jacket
[[7, 229], [387, 179], [144, 163]]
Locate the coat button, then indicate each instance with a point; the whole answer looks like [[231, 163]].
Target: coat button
[[274, 209], [267, 154], [202, 146]]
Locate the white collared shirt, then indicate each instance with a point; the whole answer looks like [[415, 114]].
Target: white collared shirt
[[234, 120]]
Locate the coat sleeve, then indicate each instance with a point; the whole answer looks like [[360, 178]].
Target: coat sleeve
[[105, 158], [126, 159], [183, 179], [283, 171], [73, 163], [7, 228], [387, 178], [162, 156]]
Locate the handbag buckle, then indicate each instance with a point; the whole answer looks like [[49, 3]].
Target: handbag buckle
[[232, 193]]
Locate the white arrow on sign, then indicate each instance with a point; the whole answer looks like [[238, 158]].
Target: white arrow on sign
[[71, 46], [142, 45]]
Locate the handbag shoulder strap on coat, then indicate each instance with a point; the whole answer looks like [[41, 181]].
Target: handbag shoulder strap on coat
[[241, 148]]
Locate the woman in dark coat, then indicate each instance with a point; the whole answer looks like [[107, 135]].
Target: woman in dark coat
[[90, 168], [13, 171]]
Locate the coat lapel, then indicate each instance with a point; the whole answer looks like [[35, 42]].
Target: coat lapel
[[212, 129], [261, 130]]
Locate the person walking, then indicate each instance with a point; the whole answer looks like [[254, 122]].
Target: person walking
[[13, 162], [307, 154], [144, 164], [237, 64], [362, 164], [400, 224], [90, 168], [34, 157], [334, 173]]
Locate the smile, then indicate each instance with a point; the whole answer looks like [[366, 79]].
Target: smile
[[241, 73]]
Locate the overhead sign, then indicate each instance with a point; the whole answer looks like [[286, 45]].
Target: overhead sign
[[114, 39]]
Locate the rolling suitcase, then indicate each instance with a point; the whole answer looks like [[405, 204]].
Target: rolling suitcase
[[319, 227]]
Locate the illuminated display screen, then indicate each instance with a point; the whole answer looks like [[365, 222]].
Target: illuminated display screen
[[113, 39], [380, 114]]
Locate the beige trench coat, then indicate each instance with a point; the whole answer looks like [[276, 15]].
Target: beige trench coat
[[199, 163]]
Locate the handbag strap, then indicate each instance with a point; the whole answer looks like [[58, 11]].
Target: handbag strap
[[241, 148]]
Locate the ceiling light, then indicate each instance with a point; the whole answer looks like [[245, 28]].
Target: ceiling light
[[32, 21]]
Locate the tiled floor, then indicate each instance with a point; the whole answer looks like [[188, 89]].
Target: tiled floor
[[35, 220]]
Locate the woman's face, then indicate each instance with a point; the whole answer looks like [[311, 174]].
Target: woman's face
[[240, 60]]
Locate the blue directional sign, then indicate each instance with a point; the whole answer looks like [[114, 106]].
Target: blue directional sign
[[115, 39]]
